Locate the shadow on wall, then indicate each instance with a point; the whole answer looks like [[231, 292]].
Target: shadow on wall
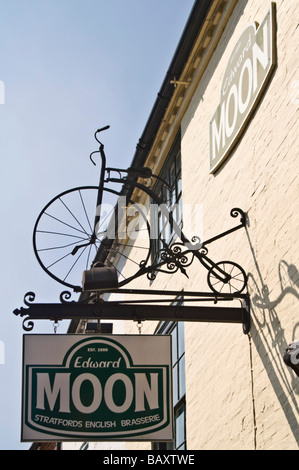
[[269, 336]]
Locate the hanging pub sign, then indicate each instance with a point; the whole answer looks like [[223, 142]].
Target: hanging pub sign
[[81, 387], [248, 71]]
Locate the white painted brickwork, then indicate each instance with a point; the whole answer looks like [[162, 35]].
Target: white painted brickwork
[[240, 394], [228, 408]]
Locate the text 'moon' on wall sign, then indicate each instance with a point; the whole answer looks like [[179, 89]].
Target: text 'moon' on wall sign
[[248, 71]]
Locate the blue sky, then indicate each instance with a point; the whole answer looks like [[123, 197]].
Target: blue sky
[[68, 68]]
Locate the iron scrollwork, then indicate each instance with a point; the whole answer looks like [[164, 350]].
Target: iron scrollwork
[[223, 276], [136, 310], [175, 257], [65, 296], [29, 298], [32, 310]]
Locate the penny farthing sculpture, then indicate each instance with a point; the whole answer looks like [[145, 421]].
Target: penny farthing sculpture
[[84, 226]]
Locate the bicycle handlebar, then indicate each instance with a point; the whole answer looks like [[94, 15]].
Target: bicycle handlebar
[[100, 130], [103, 129], [101, 151]]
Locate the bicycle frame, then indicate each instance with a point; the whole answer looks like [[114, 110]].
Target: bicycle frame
[[175, 258]]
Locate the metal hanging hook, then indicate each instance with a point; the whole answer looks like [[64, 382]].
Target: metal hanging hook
[[139, 326], [55, 326]]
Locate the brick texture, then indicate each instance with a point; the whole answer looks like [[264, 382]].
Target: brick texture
[[240, 394]]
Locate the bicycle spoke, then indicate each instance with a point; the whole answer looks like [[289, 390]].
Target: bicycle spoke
[[101, 222], [136, 246], [64, 223], [87, 261], [73, 215], [100, 233], [59, 233], [57, 261], [59, 247], [221, 286], [84, 208], [236, 279], [96, 249], [216, 280], [120, 273], [74, 263], [125, 256]]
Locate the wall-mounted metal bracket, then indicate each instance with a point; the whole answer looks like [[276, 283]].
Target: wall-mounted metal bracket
[[138, 310]]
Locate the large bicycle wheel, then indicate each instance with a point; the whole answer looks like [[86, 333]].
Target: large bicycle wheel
[[227, 277], [71, 232]]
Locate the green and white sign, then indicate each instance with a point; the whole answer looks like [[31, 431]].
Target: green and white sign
[[81, 387], [248, 71]]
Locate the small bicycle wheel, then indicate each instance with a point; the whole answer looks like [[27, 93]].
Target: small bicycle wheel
[[71, 231], [227, 277]]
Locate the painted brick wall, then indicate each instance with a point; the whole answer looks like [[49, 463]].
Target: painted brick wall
[[240, 394]]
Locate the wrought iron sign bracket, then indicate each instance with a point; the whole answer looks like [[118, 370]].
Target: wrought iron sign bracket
[[75, 237], [138, 310]]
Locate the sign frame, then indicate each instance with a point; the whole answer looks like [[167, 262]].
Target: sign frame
[[69, 391], [228, 122]]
